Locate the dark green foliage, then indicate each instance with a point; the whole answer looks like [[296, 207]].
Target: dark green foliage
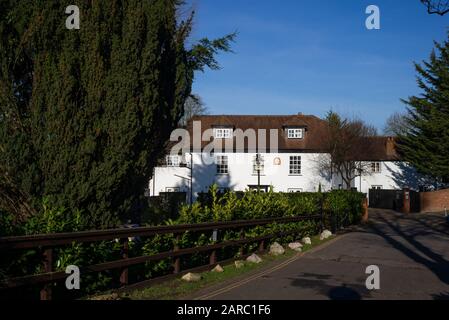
[[346, 206], [85, 114], [426, 141], [163, 208]]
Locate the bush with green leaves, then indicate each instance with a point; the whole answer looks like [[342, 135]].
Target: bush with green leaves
[[345, 206]]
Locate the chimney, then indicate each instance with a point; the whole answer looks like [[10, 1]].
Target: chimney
[[391, 150]]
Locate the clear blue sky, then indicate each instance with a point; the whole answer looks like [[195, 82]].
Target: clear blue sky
[[310, 56]]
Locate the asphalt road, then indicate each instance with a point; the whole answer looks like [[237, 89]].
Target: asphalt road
[[412, 253]]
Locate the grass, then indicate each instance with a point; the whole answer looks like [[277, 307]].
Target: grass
[[177, 288]]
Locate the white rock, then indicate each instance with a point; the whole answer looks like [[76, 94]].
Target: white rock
[[254, 258], [191, 277], [276, 249], [306, 240], [325, 234], [218, 269], [295, 246], [239, 264]]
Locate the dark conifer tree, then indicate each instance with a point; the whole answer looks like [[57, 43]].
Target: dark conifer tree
[[425, 144], [85, 114]]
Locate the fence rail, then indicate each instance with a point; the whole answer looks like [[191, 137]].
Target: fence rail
[[46, 243]]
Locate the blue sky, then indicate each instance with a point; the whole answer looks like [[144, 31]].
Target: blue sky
[[310, 56]]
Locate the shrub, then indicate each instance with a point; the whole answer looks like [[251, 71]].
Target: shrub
[[344, 206]]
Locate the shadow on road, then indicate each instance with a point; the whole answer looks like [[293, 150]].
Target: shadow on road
[[343, 293], [319, 282], [385, 226]]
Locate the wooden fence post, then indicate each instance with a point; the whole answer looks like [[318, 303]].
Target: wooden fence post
[[213, 257], [46, 291], [213, 254], [262, 246], [124, 276], [177, 263], [242, 236]]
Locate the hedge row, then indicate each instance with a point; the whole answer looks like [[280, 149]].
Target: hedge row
[[344, 205]]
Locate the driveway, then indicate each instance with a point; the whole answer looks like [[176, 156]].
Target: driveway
[[411, 251]]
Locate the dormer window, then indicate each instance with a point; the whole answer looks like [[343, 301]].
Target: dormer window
[[173, 161], [295, 133], [222, 133]]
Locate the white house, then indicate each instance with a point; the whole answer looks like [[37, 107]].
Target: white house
[[248, 152]]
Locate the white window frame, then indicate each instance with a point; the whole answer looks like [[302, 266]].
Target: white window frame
[[295, 165], [295, 133], [173, 161], [223, 133], [222, 163], [262, 165], [376, 167]]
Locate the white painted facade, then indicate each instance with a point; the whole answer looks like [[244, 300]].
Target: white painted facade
[[293, 165], [391, 175], [275, 173], [241, 174]]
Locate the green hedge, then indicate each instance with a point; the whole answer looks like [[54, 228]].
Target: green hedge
[[345, 206]]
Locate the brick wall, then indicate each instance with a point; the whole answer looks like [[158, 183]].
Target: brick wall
[[435, 201]]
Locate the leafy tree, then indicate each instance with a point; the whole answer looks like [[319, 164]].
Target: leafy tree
[[426, 143], [84, 114]]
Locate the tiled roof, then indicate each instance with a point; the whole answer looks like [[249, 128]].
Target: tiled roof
[[313, 138], [375, 149]]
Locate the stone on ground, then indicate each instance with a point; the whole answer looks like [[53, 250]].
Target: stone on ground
[[306, 240], [239, 264], [218, 269], [325, 234], [297, 246], [191, 277], [254, 258], [276, 249]]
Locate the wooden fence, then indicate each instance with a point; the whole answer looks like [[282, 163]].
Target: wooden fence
[[47, 243]]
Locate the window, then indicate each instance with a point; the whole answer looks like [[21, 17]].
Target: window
[[294, 190], [376, 167], [173, 161], [295, 133], [377, 187], [222, 133], [261, 165], [295, 165], [174, 189], [261, 188], [222, 164]]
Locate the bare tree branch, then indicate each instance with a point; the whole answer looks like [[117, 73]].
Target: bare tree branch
[[345, 139], [440, 7]]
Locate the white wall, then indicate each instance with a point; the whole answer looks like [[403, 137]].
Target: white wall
[[241, 174], [393, 175], [169, 177]]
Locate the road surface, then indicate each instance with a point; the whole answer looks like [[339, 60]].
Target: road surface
[[412, 253]]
